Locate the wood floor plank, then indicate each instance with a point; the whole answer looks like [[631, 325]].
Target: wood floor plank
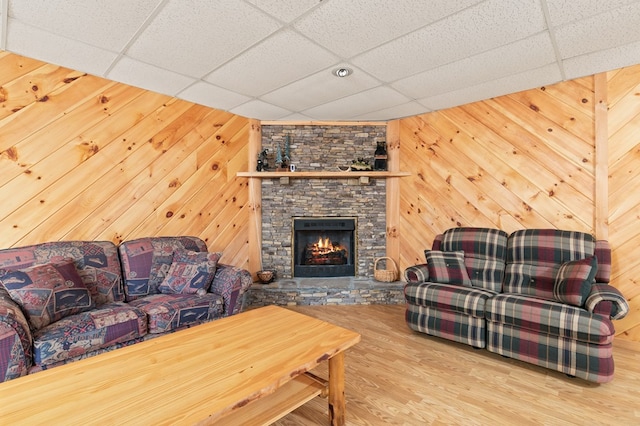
[[395, 376]]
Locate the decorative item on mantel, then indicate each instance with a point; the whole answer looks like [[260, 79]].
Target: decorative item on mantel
[[263, 164], [380, 157], [360, 165]]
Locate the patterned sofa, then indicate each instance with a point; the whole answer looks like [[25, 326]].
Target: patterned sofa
[[538, 295], [64, 301]]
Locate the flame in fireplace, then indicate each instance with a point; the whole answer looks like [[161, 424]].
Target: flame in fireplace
[[325, 244]]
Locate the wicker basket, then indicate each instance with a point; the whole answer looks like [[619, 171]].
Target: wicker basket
[[388, 275]]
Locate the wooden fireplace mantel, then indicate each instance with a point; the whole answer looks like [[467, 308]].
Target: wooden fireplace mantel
[[321, 175]]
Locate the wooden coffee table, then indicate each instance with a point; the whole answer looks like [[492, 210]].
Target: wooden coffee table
[[247, 369]]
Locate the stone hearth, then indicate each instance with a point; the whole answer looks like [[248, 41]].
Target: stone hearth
[[326, 291]]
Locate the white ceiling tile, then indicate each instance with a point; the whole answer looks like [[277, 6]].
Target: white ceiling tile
[[514, 83], [285, 10], [563, 11], [530, 53], [38, 44], [106, 24], [257, 108], [207, 94], [604, 60], [613, 28], [320, 88], [480, 28], [334, 23], [399, 111], [361, 103], [148, 77], [187, 38], [282, 58]]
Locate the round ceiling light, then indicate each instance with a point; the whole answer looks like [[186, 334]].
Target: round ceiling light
[[342, 72]]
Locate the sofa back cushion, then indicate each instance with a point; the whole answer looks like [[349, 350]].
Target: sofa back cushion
[[484, 253], [97, 263], [534, 258], [146, 261]]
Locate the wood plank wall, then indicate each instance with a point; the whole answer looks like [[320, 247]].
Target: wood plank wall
[[86, 158], [529, 160], [82, 157]]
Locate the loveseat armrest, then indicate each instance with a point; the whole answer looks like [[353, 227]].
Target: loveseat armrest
[[606, 300], [15, 340], [416, 274], [231, 283]]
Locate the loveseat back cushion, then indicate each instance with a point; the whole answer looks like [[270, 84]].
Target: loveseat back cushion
[[145, 262], [484, 253], [535, 255], [169, 312], [603, 255], [86, 332], [97, 263]]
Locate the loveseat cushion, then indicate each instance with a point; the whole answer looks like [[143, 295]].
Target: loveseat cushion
[[449, 297], [166, 312], [484, 253], [535, 255], [447, 267], [47, 292], [88, 331], [97, 262], [145, 262], [190, 272], [548, 317], [573, 281]]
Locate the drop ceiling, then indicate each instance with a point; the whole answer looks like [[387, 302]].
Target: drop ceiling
[[273, 59]]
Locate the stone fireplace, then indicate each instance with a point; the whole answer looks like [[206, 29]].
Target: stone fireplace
[[323, 148]]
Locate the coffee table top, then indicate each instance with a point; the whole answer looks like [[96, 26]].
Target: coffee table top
[[185, 377]]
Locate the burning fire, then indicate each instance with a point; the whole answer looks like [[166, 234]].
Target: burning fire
[[325, 244]]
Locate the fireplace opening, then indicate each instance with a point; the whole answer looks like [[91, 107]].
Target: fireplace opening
[[324, 247]]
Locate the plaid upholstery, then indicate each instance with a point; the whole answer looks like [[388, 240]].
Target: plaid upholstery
[[534, 256], [447, 267], [519, 322], [592, 362], [449, 297], [547, 317], [417, 274], [484, 253], [608, 301], [447, 324]]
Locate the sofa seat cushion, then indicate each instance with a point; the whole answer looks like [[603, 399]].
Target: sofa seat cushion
[[548, 317], [450, 297], [167, 312], [88, 331]]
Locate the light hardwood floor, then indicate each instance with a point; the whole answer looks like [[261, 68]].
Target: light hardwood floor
[[395, 376]]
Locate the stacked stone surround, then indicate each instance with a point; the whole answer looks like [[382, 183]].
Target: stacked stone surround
[[326, 291], [323, 148]]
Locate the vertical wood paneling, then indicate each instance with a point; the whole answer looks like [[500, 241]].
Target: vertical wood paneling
[[85, 158], [624, 191]]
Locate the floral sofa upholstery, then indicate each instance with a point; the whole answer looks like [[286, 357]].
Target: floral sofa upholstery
[[538, 295], [64, 301]]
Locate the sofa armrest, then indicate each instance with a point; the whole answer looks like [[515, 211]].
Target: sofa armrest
[[416, 274], [231, 283], [606, 300], [15, 340]]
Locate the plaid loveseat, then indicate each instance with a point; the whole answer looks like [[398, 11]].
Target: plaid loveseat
[[69, 300], [538, 295]]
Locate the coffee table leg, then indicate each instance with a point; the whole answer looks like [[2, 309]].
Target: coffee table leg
[[336, 390]]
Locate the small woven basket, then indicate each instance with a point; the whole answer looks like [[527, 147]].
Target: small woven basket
[[385, 275]]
